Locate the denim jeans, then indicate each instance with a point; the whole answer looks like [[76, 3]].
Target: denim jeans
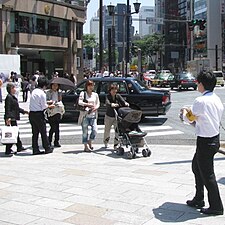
[[88, 121]]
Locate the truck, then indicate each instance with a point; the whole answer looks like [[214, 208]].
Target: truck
[[197, 65], [9, 63]]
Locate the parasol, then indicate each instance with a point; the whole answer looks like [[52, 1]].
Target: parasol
[[65, 84]]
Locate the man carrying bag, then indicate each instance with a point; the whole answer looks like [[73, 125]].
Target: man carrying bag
[[12, 114]]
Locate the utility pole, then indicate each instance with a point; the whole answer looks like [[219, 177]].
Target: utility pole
[[216, 55], [100, 35], [128, 37]]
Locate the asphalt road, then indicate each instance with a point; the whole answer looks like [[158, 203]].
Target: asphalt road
[[179, 99]]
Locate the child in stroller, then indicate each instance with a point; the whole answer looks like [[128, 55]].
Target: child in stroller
[[130, 133]]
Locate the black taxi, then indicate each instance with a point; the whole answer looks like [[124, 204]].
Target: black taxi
[[135, 92]]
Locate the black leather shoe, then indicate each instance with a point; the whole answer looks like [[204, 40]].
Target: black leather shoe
[[38, 153], [211, 211], [21, 149], [57, 145], [195, 203], [50, 150]]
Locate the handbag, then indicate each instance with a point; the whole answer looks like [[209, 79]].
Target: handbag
[[9, 134], [80, 107], [59, 108]]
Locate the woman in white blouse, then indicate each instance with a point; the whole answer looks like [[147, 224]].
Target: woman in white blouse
[[88, 117], [53, 96]]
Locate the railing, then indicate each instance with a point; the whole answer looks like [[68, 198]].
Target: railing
[[73, 2]]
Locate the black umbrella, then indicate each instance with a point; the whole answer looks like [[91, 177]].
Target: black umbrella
[[65, 84]]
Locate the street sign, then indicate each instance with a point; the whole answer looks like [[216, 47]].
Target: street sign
[[154, 20]]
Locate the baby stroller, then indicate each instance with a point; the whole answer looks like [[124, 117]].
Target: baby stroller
[[130, 135]]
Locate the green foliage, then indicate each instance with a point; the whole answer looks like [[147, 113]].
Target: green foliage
[[150, 44], [89, 41]]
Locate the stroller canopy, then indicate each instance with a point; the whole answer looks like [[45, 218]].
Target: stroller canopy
[[129, 115]]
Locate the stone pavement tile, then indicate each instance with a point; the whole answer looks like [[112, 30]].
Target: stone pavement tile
[[20, 197], [4, 178], [53, 186], [19, 207], [77, 172], [132, 180], [52, 203], [15, 217], [84, 200], [125, 217], [51, 213], [4, 185], [44, 221], [87, 210], [121, 206], [81, 191], [6, 223], [80, 184], [41, 192], [81, 219]]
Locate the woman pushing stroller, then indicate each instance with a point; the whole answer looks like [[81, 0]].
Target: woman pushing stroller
[[113, 101]]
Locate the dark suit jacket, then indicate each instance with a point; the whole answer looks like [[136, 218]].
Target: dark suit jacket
[[12, 109]]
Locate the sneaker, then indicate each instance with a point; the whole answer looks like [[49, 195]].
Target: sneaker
[[106, 145], [195, 203]]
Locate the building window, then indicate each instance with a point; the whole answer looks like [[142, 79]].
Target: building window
[[79, 31], [41, 26]]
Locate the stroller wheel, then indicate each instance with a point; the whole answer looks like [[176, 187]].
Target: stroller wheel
[[149, 152], [145, 152], [129, 155], [134, 155], [120, 151]]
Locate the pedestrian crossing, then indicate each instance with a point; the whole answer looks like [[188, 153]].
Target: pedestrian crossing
[[72, 129]]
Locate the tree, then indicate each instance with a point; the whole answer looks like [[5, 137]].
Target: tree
[[150, 46], [89, 40]]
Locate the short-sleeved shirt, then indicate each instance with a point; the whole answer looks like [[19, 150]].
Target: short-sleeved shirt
[[208, 109], [38, 100]]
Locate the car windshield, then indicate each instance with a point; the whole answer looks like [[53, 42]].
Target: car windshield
[[140, 86], [187, 76]]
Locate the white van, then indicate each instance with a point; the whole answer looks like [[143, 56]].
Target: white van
[[219, 78]]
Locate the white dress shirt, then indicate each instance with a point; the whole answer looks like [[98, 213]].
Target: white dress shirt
[[208, 109], [38, 100]]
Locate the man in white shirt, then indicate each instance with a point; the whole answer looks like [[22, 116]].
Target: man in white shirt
[[38, 104], [207, 111]]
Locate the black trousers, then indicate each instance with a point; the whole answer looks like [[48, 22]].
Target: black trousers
[[25, 95], [38, 125], [54, 127], [203, 169], [18, 144]]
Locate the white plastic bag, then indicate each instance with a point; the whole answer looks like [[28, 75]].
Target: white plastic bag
[[9, 134]]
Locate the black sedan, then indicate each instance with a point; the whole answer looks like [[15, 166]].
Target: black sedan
[[139, 96], [182, 80]]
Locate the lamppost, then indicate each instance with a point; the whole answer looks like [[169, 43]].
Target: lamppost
[[127, 15]]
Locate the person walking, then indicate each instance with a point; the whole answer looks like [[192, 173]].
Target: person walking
[[113, 101], [88, 117], [25, 88], [206, 113], [12, 114], [38, 105], [53, 96]]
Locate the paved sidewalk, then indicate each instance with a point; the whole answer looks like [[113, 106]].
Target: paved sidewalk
[[101, 188]]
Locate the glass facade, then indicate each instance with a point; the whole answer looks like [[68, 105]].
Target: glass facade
[[37, 24]]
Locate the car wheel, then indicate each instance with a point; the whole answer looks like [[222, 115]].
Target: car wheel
[[195, 88], [171, 88], [222, 85]]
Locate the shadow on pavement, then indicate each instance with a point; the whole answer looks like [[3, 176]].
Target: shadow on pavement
[[176, 212], [221, 180], [183, 161]]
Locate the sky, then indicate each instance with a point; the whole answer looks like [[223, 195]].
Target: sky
[[94, 5]]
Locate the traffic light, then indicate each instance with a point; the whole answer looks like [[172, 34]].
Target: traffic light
[[201, 24], [195, 22], [190, 26]]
